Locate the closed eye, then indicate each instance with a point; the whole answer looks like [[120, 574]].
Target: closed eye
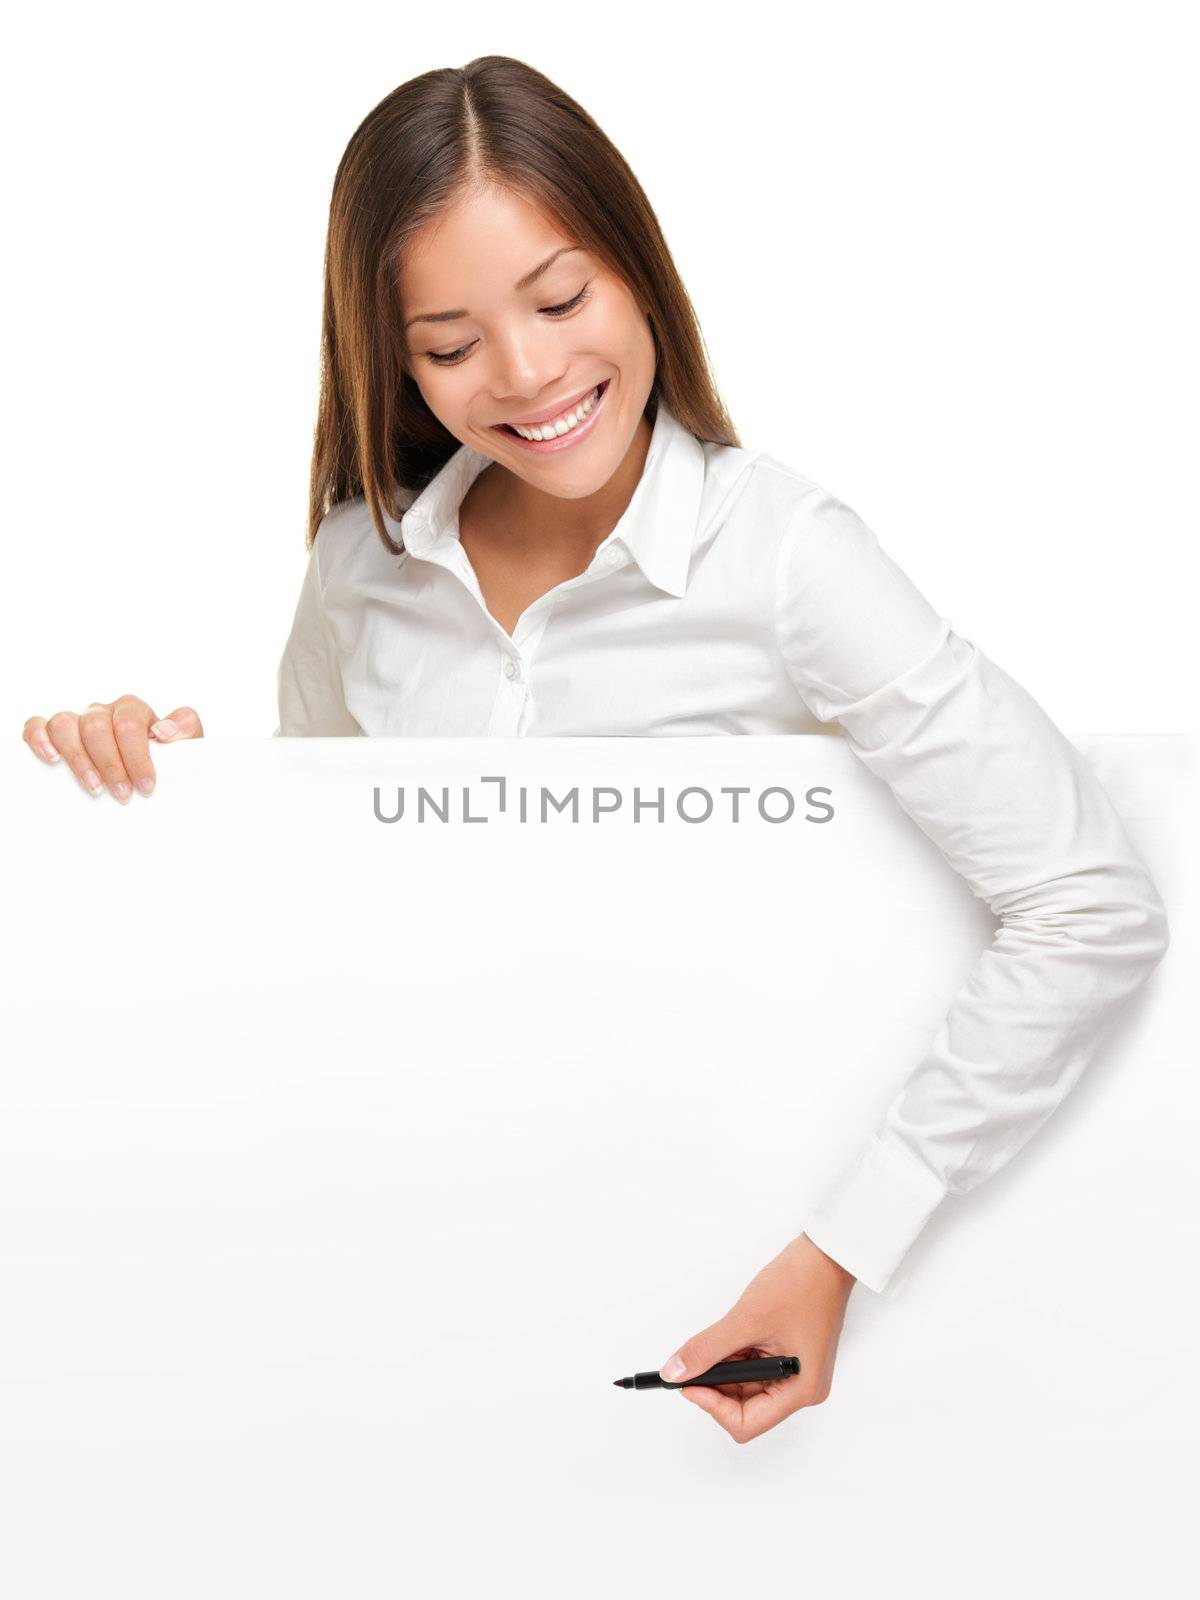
[[455, 356]]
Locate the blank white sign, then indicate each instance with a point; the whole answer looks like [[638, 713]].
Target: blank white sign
[[345, 1163]]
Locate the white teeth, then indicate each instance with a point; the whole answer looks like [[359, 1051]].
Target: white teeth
[[563, 424]]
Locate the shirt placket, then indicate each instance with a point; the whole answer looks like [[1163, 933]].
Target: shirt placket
[[513, 707]]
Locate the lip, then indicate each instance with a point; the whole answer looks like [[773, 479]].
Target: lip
[[563, 441], [537, 418]]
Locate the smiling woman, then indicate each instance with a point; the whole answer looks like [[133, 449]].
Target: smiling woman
[[530, 515]]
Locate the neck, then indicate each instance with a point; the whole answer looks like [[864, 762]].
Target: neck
[[527, 519]]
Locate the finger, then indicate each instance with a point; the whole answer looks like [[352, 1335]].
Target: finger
[[96, 732], [744, 1420], [722, 1407], [63, 728], [39, 741], [182, 723], [131, 719], [762, 1412], [727, 1339]]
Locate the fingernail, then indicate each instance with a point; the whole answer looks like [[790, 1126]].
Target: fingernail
[[121, 792], [92, 781], [165, 729], [145, 785], [50, 753], [674, 1369]]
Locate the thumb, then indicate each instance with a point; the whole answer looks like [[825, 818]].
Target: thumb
[[183, 723], [714, 1343]]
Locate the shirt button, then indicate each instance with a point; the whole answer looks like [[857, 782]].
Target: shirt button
[[613, 556], [510, 669]]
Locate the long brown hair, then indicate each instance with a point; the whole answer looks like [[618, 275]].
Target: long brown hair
[[496, 122]]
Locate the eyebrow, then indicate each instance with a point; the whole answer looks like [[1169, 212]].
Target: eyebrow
[[521, 283]]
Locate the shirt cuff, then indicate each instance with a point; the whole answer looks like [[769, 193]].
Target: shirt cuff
[[871, 1216]]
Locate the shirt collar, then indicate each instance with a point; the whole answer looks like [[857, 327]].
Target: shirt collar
[[658, 526]]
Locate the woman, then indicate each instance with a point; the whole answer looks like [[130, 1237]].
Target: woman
[[530, 515]]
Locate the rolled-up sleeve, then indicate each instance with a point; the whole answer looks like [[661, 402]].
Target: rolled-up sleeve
[[309, 680], [1018, 812]]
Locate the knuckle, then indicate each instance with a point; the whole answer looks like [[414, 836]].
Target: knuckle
[[61, 721]]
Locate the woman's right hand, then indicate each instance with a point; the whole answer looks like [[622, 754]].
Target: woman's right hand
[[108, 745]]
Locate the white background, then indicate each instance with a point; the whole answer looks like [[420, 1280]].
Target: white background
[[944, 259]]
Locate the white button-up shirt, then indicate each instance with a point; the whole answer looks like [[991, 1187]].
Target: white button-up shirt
[[736, 596]]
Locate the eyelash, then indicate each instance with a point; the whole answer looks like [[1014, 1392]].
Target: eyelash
[[456, 356]]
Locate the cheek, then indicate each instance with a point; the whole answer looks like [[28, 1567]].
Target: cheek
[[424, 380], [624, 329], [438, 390], [639, 349]]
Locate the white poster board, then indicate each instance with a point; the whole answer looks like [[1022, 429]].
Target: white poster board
[[345, 1163]]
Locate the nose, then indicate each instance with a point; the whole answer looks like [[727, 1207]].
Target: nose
[[526, 366]]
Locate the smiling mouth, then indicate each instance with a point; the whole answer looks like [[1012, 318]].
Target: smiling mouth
[[507, 427]]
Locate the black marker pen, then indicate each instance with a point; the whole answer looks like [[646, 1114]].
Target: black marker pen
[[760, 1370]]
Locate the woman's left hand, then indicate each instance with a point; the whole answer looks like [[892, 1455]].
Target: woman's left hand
[[794, 1307]]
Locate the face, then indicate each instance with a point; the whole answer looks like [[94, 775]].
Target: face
[[511, 351]]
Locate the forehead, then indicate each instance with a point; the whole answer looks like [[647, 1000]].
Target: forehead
[[486, 240]]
